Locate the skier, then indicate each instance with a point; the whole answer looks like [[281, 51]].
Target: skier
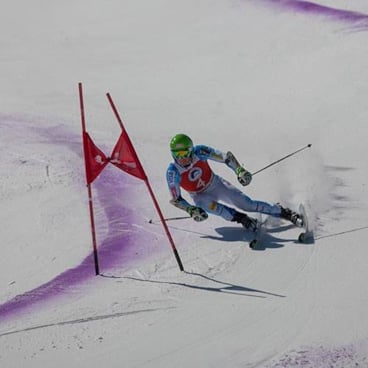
[[191, 171]]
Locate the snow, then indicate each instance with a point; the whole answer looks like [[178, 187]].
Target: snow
[[261, 79]]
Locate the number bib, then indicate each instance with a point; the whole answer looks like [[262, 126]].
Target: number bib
[[197, 178]]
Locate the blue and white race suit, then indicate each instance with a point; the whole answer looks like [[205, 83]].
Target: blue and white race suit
[[209, 191]]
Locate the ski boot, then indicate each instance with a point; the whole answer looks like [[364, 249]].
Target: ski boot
[[288, 214], [249, 223]]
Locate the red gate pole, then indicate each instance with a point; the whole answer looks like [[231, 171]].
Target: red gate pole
[[89, 189], [144, 177]]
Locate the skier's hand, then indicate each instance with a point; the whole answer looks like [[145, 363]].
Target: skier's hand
[[197, 213], [244, 176]]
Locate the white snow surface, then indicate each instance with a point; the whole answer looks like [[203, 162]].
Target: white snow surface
[[259, 78]]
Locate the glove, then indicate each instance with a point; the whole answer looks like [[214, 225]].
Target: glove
[[197, 213], [244, 176]]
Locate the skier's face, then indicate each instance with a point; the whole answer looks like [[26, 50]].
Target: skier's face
[[183, 157]]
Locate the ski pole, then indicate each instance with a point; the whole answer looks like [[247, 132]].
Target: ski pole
[[283, 158], [171, 219]]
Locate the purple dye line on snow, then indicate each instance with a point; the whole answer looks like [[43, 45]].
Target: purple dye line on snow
[[117, 249], [315, 357], [317, 9]]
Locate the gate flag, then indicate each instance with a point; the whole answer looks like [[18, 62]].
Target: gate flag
[[125, 158], [95, 159]]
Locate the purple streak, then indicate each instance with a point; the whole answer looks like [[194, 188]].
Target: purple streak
[[314, 357], [317, 9], [123, 243]]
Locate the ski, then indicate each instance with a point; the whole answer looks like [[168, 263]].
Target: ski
[[256, 241], [307, 236]]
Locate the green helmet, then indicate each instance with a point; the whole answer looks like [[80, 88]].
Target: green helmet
[[181, 142], [181, 147]]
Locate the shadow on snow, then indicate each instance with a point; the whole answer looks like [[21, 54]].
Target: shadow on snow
[[224, 287]]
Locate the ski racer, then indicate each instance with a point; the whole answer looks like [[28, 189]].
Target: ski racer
[[209, 192]]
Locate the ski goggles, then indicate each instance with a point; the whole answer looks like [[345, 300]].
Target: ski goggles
[[181, 154]]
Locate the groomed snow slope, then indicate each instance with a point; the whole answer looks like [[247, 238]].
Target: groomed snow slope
[[259, 78]]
